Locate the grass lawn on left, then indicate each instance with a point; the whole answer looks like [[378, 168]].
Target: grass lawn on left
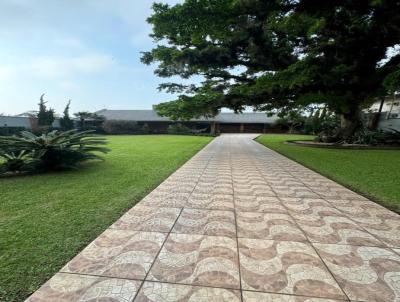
[[46, 219], [374, 173]]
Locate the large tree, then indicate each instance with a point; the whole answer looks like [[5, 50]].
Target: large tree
[[45, 116], [275, 55]]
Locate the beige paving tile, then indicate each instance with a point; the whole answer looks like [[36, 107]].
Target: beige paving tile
[[144, 218], [334, 229], [70, 288], [167, 200], [197, 260], [290, 191], [210, 201], [118, 253], [365, 273], [206, 222], [157, 292], [380, 222], [285, 267], [310, 206], [266, 204], [266, 297], [268, 226]]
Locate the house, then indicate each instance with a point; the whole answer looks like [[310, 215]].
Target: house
[[225, 122], [389, 109]]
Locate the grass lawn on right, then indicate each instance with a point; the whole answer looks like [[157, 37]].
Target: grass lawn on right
[[373, 173]]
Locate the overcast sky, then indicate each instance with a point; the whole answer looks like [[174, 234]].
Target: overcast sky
[[84, 50]]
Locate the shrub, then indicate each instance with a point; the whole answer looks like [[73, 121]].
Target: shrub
[[121, 127], [4, 131], [178, 129], [145, 129], [380, 137], [56, 150]]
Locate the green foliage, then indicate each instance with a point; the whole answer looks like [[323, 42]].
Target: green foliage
[[65, 122], [52, 151], [377, 137], [4, 131], [121, 127], [178, 129], [145, 129], [15, 163], [323, 123], [275, 55], [45, 116], [293, 121], [89, 120]]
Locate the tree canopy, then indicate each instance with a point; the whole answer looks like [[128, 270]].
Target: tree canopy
[[275, 55], [45, 116]]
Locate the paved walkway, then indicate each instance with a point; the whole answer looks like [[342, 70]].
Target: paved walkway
[[239, 222]]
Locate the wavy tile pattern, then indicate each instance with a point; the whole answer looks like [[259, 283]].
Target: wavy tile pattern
[[206, 222], [268, 226], [266, 297], [285, 267], [240, 222], [117, 253], [145, 218], [67, 288], [157, 292], [364, 273], [198, 260]]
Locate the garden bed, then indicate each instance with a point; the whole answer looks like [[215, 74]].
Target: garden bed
[[314, 144]]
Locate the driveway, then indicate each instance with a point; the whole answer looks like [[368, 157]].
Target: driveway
[[239, 222]]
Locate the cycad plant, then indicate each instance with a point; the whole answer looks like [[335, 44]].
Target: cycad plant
[[55, 150]]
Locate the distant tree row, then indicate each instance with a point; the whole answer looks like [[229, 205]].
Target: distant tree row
[[46, 117]]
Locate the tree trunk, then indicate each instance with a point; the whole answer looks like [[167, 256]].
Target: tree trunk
[[349, 123]]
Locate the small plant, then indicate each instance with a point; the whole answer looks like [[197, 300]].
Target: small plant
[[178, 129], [55, 150], [19, 162]]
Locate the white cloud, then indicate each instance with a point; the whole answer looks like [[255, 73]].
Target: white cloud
[[69, 42], [61, 67]]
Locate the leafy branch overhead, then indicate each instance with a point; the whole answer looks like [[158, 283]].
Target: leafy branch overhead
[[275, 55]]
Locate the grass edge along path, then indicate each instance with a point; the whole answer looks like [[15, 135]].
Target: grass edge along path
[[374, 174]]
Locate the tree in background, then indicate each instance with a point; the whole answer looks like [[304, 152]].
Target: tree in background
[[89, 120], [66, 122], [45, 116], [275, 55]]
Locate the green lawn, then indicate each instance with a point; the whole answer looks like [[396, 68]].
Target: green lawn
[[374, 173], [46, 219]]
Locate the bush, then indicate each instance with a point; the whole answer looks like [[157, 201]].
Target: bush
[[28, 153], [368, 137], [4, 131], [121, 127], [178, 129]]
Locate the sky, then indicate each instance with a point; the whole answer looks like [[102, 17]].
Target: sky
[[84, 50]]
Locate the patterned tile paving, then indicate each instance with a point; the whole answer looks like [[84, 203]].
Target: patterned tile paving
[[266, 297], [117, 253], [206, 222], [268, 226], [67, 287], [157, 292], [145, 218], [239, 222], [285, 267], [364, 273], [198, 260]]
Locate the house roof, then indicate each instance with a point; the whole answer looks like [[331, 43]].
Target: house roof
[[152, 116]]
